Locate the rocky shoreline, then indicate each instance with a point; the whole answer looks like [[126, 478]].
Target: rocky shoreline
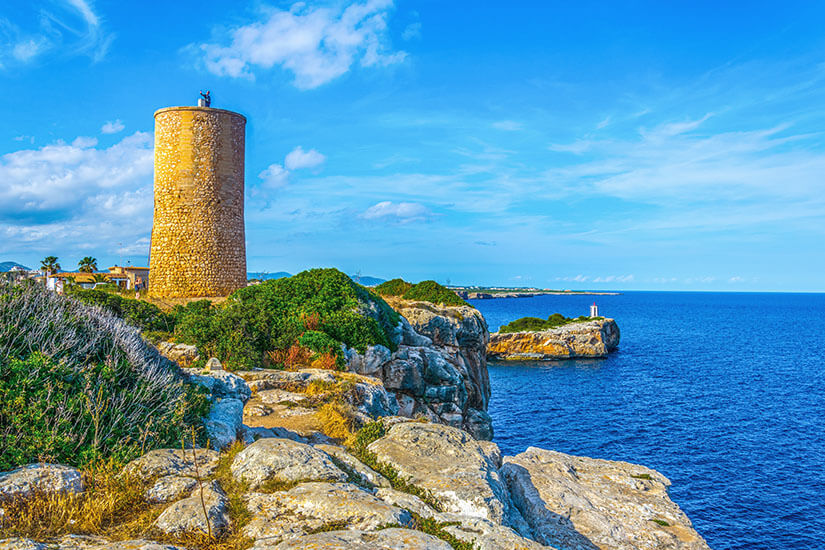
[[594, 338], [423, 476]]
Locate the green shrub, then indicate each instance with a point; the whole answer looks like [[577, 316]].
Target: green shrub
[[535, 324], [78, 384], [276, 314], [145, 316], [395, 287], [430, 291]]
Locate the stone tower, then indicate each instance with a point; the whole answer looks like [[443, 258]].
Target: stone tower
[[198, 244]]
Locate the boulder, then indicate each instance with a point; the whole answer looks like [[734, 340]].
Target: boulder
[[169, 488], [224, 422], [40, 477], [594, 338], [459, 472], [173, 462], [283, 460], [187, 515], [314, 506], [385, 539], [220, 383], [579, 502]]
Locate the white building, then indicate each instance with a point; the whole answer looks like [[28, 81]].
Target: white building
[[594, 310]]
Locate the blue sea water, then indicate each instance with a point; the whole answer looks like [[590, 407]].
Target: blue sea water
[[724, 393]]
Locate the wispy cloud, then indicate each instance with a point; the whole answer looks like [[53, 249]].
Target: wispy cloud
[[508, 125], [64, 28], [403, 212], [316, 44]]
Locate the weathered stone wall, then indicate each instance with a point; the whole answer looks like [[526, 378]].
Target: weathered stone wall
[[198, 244]]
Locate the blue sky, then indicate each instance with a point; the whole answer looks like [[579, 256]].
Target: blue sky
[[603, 145]]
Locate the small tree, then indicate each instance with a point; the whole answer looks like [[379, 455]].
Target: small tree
[[50, 265], [87, 265]]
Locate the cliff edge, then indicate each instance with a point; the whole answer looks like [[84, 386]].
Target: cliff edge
[[594, 338]]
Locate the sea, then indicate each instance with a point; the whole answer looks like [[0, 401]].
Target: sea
[[723, 393]]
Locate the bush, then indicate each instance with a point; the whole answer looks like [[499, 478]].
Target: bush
[[430, 291], [395, 287], [534, 324], [77, 384], [147, 317], [323, 307]]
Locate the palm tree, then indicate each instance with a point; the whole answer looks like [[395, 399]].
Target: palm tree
[[50, 265], [87, 265]]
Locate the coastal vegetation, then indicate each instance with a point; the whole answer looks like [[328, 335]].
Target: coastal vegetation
[[280, 322], [425, 291], [535, 324], [78, 385]]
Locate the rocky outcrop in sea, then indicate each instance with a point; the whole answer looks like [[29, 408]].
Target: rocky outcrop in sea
[[595, 338]]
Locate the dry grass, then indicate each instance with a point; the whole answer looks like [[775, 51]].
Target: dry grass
[[337, 420], [112, 506], [325, 361]]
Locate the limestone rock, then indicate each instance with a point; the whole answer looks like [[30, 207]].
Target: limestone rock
[[78, 542], [18, 543], [486, 535], [579, 502], [586, 339], [182, 354], [283, 460], [368, 364], [41, 477], [312, 506], [406, 501], [169, 488], [220, 383], [224, 422], [187, 516], [385, 539], [213, 364], [173, 462], [368, 476], [460, 473]]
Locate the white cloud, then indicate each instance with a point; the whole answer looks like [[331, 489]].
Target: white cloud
[[402, 212], [274, 177], [736, 279], [65, 27], [316, 44], [298, 158], [64, 196], [508, 125], [112, 127]]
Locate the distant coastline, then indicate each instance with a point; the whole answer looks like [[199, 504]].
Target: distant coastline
[[490, 293]]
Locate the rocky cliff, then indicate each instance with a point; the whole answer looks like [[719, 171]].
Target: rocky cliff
[[445, 491], [439, 370], [586, 339]]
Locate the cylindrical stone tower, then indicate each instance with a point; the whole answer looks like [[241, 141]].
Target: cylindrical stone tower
[[198, 244]]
